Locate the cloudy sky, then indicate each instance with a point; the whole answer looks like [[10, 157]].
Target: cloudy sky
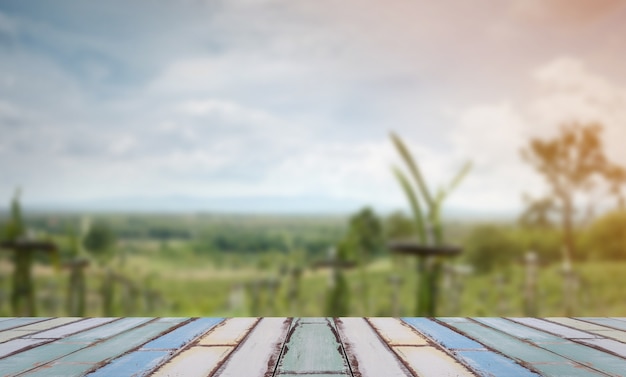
[[287, 105]]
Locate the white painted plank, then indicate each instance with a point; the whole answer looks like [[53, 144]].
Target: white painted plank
[[430, 361], [194, 362], [229, 332], [396, 332], [367, 354], [259, 352], [70, 328]]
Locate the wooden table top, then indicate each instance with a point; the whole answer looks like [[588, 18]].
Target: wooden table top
[[321, 347]]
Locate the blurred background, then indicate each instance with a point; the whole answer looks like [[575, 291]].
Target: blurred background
[[309, 158]]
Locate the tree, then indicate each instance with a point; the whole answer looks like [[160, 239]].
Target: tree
[[606, 238], [99, 241], [572, 164]]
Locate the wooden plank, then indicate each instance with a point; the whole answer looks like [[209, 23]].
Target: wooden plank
[[472, 354], [229, 333], [593, 328], [430, 361], [258, 353], [396, 333], [545, 362], [35, 327], [313, 347], [611, 345], [17, 322], [71, 328], [195, 362], [607, 322], [367, 354], [580, 353], [520, 331], [156, 352], [554, 328], [414, 350], [27, 360], [105, 331], [205, 355], [86, 359], [15, 345]]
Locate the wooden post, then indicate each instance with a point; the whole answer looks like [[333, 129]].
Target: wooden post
[[396, 283], [530, 286], [569, 284], [23, 293], [76, 290]]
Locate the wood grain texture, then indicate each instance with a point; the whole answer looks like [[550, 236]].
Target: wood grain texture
[[415, 350], [156, 352], [209, 351], [583, 354], [367, 354], [313, 348], [258, 354], [544, 361], [474, 355], [26, 330], [80, 362]]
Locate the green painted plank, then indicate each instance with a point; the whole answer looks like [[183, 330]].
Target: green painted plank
[[35, 357], [545, 362], [86, 359], [313, 347]]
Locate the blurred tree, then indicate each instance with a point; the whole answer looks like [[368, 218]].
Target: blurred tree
[[398, 225], [606, 237], [100, 241], [572, 163], [488, 247], [366, 237]]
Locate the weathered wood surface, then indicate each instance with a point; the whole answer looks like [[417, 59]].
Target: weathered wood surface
[[318, 347]]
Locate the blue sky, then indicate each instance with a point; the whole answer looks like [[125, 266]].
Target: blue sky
[[287, 105]]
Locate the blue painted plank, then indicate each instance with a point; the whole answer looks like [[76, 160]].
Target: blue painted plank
[[139, 363], [154, 353], [482, 361]]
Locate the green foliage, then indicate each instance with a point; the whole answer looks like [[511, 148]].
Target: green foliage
[[489, 247], [398, 226], [366, 231], [99, 241], [606, 237]]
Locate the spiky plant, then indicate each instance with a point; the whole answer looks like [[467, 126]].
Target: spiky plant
[[428, 222]]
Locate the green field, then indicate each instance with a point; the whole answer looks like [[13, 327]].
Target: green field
[[173, 266]]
